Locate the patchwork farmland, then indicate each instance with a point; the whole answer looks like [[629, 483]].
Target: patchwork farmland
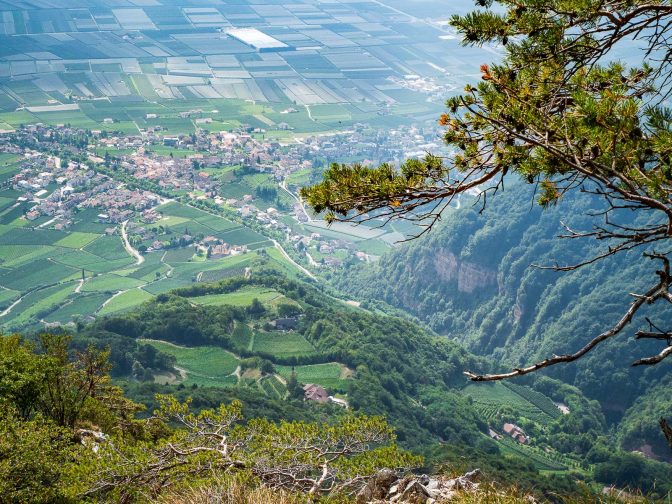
[[136, 66], [61, 276]]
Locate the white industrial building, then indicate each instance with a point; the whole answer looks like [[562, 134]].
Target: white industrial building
[[257, 39]]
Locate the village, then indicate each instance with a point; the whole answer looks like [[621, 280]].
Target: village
[[247, 146], [209, 166]]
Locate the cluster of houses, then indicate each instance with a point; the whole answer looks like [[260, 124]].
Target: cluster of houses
[[216, 248], [55, 189], [285, 323], [434, 88], [120, 203]]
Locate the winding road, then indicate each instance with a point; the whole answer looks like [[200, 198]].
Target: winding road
[[127, 245], [286, 256], [283, 186]]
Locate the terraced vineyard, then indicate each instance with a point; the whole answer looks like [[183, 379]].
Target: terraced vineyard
[[204, 366], [491, 398], [272, 387], [242, 297], [541, 460], [537, 398], [282, 344]]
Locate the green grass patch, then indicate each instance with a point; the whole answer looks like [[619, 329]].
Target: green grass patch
[[110, 283], [330, 375], [76, 240], [125, 301], [205, 365], [281, 344], [241, 297]]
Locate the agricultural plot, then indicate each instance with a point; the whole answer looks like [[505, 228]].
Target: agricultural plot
[[221, 274], [374, 246], [90, 64], [331, 375], [491, 398], [179, 275], [286, 266], [36, 273], [330, 113], [182, 254], [108, 247], [110, 283], [7, 297], [242, 336], [78, 307], [242, 297], [216, 223], [541, 460], [27, 236], [12, 215], [184, 219], [76, 240], [148, 269], [124, 301], [244, 236], [281, 344], [272, 387], [37, 304], [79, 259], [537, 398], [37, 261], [206, 366], [15, 254]]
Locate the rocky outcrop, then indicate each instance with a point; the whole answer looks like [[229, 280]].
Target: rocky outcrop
[[470, 276], [445, 265], [385, 487]]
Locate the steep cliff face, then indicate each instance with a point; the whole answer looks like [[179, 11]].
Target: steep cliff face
[[469, 275]]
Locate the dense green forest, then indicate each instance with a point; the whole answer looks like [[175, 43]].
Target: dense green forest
[[472, 279]]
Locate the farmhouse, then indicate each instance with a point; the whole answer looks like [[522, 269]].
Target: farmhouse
[[285, 324], [317, 393], [515, 432]]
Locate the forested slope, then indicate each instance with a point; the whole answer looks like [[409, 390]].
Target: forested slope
[[472, 279]]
